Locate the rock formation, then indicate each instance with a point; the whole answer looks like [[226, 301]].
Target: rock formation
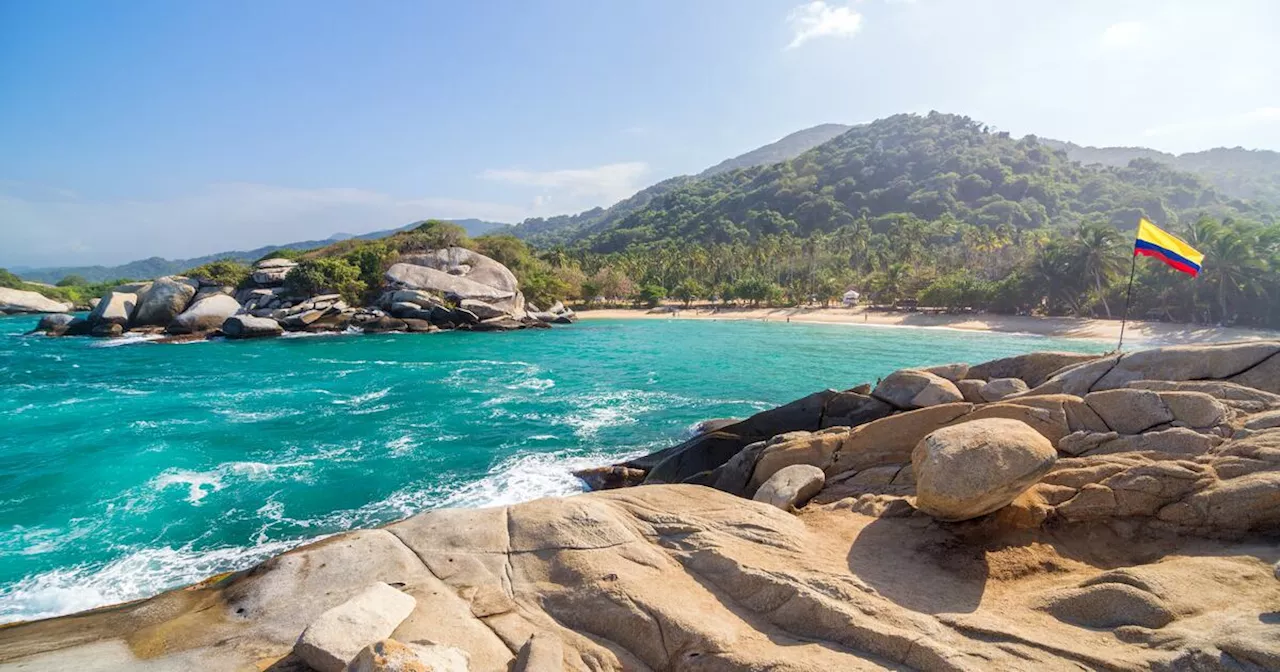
[[15, 301], [1122, 523]]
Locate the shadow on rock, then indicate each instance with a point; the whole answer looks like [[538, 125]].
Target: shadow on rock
[[928, 571]]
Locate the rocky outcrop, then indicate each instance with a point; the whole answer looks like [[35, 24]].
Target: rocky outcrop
[[389, 655], [460, 275], [116, 307], [791, 486], [1253, 364], [976, 467], [272, 272], [14, 301]]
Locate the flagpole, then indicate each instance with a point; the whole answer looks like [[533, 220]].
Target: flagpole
[[1133, 267]]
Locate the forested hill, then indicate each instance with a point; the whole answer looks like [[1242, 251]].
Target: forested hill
[[545, 232], [1252, 174], [934, 167]]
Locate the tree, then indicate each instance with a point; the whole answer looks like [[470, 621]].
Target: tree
[[652, 295], [224, 272], [689, 290], [1101, 251], [325, 275], [72, 280]]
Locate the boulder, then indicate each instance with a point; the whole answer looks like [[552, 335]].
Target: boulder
[[419, 326], [388, 655], [1129, 411], [850, 409], [482, 310], [910, 389], [1188, 362], [115, 308], [952, 372], [999, 388], [1194, 409], [335, 638], [23, 301], [93, 303], [791, 487], [409, 276], [272, 272], [608, 478], [971, 390], [384, 324], [807, 449], [973, 468], [1108, 605], [248, 326], [205, 314], [53, 323], [891, 440], [162, 301], [1032, 368], [459, 261]]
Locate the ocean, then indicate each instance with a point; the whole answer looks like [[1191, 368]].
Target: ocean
[[128, 467]]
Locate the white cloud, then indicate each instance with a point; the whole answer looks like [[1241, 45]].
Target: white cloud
[[601, 185], [1232, 122], [46, 227], [1124, 35], [818, 19]]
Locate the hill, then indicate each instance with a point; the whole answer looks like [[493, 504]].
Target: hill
[[154, 267], [562, 229], [1252, 174], [932, 167]]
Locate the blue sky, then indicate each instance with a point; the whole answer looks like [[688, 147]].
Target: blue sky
[[133, 129]]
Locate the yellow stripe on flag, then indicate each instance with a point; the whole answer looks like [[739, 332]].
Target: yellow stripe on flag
[[1159, 237]]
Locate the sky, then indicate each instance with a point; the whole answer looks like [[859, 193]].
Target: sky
[[178, 129]]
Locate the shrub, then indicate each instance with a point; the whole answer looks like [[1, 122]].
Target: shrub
[[72, 280], [324, 276], [226, 272], [651, 295]]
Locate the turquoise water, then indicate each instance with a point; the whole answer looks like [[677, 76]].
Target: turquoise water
[[127, 467]]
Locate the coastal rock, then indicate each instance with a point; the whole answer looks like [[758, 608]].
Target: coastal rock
[[410, 276], [384, 324], [272, 272], [388, 655], [971, 390], [977, 467], [909, 389], [891, 440], [999, 388], [482, 310], [1255, 363], [54, 323], [106, 329], [1129, 411], [1195, 409], [162, 301], [459, 261], [248, 326], [115, 308], [424, 300], [206, 314], [952, 372], [791, 487], [339, 634], [608, 478], [795, 448], [1032, 368], [850, 409], [544, 652], [23, 301]]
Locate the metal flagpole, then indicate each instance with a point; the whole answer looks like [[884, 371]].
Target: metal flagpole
[[1133, 267]]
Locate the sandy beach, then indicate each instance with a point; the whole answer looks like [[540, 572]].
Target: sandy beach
[[1136, 333]]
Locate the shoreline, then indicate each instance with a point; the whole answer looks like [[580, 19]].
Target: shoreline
[[1137, 332]]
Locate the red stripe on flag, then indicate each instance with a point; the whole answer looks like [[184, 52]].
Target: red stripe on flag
[[1189, 270]]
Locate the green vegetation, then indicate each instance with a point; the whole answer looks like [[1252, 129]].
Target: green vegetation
[[225, 272], [327, 275]]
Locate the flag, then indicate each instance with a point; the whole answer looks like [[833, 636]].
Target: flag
[[1154, 241]]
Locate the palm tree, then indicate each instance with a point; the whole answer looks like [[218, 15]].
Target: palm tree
[[1234, 268], [1101, 252]]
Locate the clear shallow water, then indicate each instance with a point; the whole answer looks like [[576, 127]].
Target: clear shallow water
[[127, 468]]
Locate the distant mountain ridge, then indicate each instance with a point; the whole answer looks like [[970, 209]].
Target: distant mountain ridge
[[785, 149], [154, 267], [1251, 174]]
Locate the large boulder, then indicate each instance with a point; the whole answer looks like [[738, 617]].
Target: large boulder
[[114, 308], [791, 487], [272, 272], [973, 468], [1033, 368], [206, 314], [910, 389], [53, 323], [459, 261], [1252, 363], [339, 634], [22, 301], [890, 440], [1000, 388], [1129, 411], [460, 275], [248, 326], [162, 301]]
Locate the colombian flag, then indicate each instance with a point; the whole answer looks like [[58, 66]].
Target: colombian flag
[[1154, 241]]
